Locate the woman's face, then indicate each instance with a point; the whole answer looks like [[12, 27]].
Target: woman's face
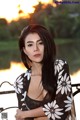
[[34, 47]]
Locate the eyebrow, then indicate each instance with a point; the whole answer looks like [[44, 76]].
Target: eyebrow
[[33, 42]]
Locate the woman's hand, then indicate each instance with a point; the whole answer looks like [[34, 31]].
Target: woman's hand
[[19, 115]]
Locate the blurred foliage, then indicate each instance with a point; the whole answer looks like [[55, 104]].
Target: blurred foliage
[[16, 27], [9, 51], [69, 50], [62, 21]]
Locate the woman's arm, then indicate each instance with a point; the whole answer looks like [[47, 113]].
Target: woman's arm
[[38, 112]]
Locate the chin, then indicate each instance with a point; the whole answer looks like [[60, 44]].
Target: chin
[[38, 61]]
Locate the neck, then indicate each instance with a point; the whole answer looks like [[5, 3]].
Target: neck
[[36, 69]]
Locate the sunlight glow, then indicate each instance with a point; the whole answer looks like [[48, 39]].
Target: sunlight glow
[[45, 1], [27, 6], [11, 76], [13, 9], [8, 9]]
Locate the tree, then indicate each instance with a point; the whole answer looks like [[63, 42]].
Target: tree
[[4, 31]]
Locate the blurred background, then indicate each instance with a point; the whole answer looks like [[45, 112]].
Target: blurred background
[[61, 19]]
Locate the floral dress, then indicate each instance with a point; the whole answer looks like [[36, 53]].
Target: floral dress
[[62, 107]]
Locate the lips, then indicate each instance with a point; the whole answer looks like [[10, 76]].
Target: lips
[[37, 55]]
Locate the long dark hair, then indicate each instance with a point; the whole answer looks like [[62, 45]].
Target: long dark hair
[[48, 76]]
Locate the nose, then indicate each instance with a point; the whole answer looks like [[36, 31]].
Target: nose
[[35, 47]]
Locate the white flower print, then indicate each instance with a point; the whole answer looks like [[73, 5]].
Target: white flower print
[[64, 84], [60, 74], [23, 99], [68, 103], [24, 96], [52, 110], [58, 65], [28, 74], [18, 84]]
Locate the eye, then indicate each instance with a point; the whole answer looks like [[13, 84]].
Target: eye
[[41, 42], [29, 45]]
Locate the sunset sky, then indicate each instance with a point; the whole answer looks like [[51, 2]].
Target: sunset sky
[[9, 8]]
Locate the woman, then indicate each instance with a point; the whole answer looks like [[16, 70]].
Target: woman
[[44, 91]]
